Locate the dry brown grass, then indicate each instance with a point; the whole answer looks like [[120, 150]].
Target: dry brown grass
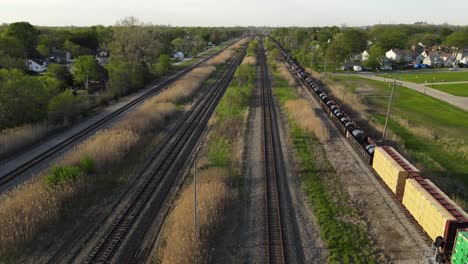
[[352, 100], [31, 206], [16, 138], [302, 112], [213, 197], [239, 43], [186, 86], [315, 75], [107, 148], [286, 74], [249, 60]]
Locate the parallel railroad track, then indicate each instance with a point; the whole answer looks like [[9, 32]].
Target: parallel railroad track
[[11, 175], [159, 176], [272, 215]]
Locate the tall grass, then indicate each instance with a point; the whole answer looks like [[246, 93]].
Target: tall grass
[[30, 207], [13, 139], [309, 121], [27, 209], [213, 198]]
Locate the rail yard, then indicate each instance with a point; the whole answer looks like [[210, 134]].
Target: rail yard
[[139, 142]]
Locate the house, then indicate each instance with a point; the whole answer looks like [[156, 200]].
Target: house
[[102, 56], [440, 48], [356, 57], [210, 44], [178, 55], [398, 55], [350, 66], [448, 58], [433, 59], [59, 56], [419, 48], [37, 65], [461, 57], [365, 55], [419, 59]]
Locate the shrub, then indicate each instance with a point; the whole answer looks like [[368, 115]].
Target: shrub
[[87, 164], [16, 138], [163, 65], [219, 152], [62, 174], [64, 107]]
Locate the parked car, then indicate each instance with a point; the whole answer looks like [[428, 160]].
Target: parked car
[[409, 66]]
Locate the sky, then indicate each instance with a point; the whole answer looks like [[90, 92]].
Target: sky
[[234, 12]]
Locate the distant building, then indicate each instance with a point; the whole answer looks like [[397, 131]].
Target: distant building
[[60, 56], [356, 57], [178, 55], [433, 59], [398, 55], [102, 56], [365, 55], [37, 65]]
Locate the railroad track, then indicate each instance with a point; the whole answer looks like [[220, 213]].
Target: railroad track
[[158, 177], [273, 238], [17, 171]]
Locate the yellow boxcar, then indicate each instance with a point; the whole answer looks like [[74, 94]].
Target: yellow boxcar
[[390, 171], [428, 212]]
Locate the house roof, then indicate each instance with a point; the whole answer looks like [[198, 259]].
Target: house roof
[[401, 52], [38, 61]]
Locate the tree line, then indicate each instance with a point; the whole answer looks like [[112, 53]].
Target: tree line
[[139, 52], [315, 45]]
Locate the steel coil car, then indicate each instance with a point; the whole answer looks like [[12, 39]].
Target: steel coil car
[[350, 126], [370, 149]]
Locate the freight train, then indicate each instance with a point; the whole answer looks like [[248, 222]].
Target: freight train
[[442, 220]]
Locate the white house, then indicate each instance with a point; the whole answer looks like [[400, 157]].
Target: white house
[[419, 59], [37, 65], [365, 55], [448, 58], [433, 59], [462, 57], [178, 55], [398, 55]]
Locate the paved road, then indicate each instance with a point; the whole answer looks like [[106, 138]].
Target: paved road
[[436, 83], [459, 101]]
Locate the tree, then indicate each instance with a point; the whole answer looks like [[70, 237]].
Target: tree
[[43, 50], [376, 56], [392, 39], [12, 46], [25, 33], [84, 69], [61, 73], [163, 65], [457, 39], [355, 40], [338, 50], [66, 106], [23, 98]]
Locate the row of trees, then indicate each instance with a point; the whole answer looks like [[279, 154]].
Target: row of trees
[[313, 45], [139, 52]]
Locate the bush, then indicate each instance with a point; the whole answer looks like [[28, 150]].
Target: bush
[[62, 174], [87, 164], [219, 152], [164, 64], [66, 106]]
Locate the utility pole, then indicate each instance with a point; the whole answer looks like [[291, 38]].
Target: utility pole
[[195, 196], [388, 110]]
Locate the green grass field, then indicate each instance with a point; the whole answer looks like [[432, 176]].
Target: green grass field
[[430, 77], [457, 89], [448, 122]]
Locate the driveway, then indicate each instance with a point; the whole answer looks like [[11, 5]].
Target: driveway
[[459, 101]]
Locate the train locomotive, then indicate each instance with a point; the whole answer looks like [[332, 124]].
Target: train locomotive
[[441, 219]]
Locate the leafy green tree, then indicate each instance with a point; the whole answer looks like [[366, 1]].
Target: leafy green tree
[[43, 50], [458, 39], [66, 106], [85, 69], [61, 73], [338, 50], [12, 46], [376, 56], [392, 39], [25, 33], [163, 65], [23, 98], [355, 40]]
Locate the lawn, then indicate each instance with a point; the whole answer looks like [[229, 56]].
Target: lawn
[[449, 123], [430, 77], [457, 89]]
